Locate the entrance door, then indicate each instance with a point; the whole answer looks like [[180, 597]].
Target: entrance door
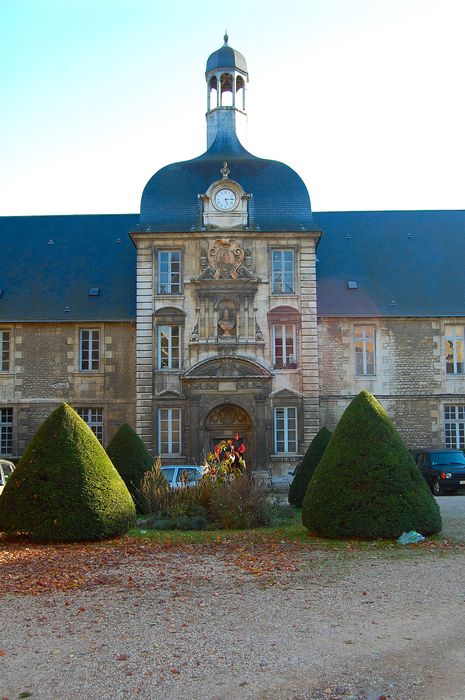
[[224, 422]]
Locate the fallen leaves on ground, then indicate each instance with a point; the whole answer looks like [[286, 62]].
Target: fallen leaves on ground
[[129, 563], [175, 567]]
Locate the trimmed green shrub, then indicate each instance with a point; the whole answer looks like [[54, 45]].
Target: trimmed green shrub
[[131, 458], [367, 483], [65, 487], [307, 466]]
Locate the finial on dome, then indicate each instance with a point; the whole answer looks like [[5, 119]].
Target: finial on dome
[[226, 37]]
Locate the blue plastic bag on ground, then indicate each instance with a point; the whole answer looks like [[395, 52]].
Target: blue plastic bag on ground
[[410, 537]]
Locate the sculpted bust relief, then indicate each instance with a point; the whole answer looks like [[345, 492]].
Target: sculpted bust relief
[[227, 323]]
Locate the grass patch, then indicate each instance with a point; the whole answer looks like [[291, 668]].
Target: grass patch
[[289, 530]]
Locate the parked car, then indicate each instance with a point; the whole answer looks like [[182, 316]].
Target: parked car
[[6, 469], [443, 469], [174, 474]]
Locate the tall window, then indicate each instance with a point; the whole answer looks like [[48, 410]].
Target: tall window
[[169, 272], [364, 338], [454, 349], [94, 419], [89, 350], [4, 351], [169, 347], [454, 424], [6, 431], [282, 271], [285, 429], [284, 346], [169, 431]]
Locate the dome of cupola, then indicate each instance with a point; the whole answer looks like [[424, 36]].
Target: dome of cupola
[[270, 196], [226, 58]]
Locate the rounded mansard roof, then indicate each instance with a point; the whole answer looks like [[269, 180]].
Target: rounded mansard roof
[[279, 201], [226, 58]]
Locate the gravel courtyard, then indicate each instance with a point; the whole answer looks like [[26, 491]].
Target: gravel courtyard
[[249, 619]]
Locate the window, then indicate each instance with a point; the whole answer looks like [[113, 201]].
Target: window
[[454, 423], [6, 431], [94, 419], [454, 349], [364, 337], [282, 271], [169, 431], [169, 272], [89, 350], [284, 353], [285, 429], [4, 351], [169, 347]]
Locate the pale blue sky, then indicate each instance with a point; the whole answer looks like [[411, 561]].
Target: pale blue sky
[[364, 98]]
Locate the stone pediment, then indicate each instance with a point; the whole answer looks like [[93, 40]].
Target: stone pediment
[[285, 394], [170, 394], [227, 368]]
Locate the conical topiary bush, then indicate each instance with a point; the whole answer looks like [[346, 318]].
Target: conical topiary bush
[[65, 487], [131, 458], [367, 484], [307, 466]]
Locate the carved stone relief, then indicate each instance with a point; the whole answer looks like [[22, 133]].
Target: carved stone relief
[[225, 258], [228, 415], [229, 367]]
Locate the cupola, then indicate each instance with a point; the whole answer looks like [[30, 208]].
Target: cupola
[[226, 75]]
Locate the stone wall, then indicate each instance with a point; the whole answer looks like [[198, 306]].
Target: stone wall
[[44, 372], [410, 378]]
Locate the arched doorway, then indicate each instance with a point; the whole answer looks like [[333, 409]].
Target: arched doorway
[[223, 422]]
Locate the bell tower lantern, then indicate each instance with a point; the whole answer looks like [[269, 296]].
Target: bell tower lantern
[[226, 75]]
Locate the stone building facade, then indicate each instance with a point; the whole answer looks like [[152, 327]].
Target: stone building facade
[[227, 306], [42, 367]]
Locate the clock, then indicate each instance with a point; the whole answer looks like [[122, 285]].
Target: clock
[[225, 199]]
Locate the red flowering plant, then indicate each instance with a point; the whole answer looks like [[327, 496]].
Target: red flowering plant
[[226, 461]]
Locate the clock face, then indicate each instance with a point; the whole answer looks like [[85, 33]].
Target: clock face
[[225, 199]]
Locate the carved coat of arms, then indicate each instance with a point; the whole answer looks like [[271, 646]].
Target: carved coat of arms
[[225, 257]]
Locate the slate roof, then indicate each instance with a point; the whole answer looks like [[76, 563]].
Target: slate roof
[[280, 201], [226, 58], [405, 263], [40, 279], [414, 258]]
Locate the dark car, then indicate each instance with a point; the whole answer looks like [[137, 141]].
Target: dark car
[[443, 469]]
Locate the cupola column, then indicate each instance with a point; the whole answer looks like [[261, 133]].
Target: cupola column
[[234, 80]]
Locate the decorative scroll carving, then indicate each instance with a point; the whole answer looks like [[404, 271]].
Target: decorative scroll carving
[[195, 334], [226, 259], [258, 332]]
